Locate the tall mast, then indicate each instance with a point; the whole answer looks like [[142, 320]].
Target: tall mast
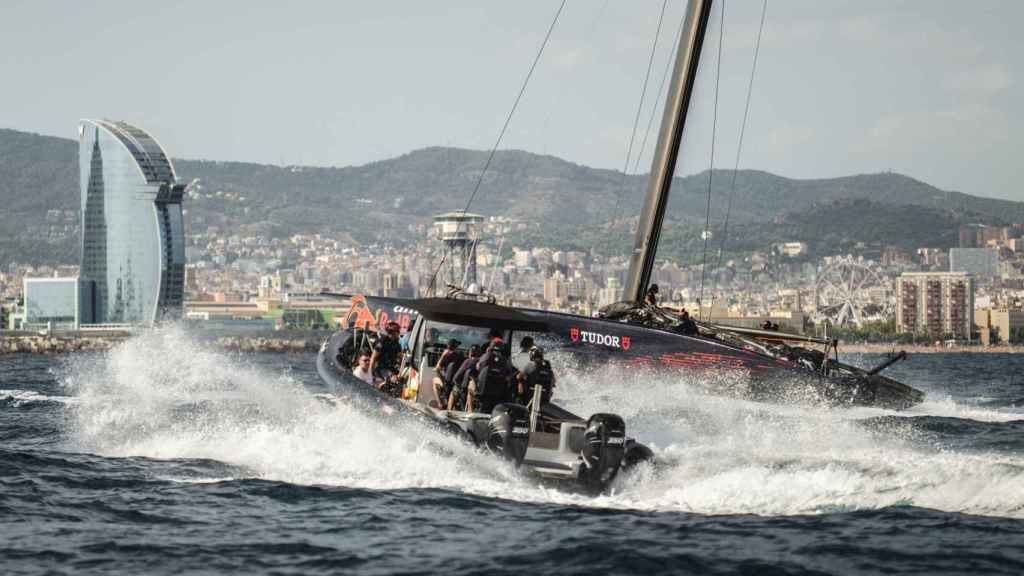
[[684, 73]]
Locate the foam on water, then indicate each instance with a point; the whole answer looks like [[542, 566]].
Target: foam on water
[[161, 395], [734, 456], [22, 397], [948, 407]]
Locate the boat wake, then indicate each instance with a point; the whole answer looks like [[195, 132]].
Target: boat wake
[[162, 395], [28, 397]]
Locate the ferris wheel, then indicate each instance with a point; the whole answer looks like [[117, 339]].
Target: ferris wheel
[[849, 291]]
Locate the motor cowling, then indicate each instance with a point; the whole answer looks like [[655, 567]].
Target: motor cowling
[[509, 431], [603, 448]]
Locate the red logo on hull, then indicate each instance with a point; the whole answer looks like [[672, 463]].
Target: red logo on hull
[[574, 333], [626, 342]]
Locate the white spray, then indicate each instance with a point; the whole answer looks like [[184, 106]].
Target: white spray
[[162, 395]]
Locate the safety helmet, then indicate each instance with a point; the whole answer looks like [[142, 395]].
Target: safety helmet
[[497, 345]]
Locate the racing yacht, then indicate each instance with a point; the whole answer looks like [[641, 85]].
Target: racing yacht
[[551, 442]]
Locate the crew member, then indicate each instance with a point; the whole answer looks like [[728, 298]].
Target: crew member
[[449, 362], [525, 344], [387, 353], [536, 372], [492, 385], [362, 369], [463, 377], [651, 296], [686, 324]]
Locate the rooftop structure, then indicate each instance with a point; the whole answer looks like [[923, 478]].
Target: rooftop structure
[[457, 226]]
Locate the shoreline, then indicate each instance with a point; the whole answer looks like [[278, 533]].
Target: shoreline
[[25, 344], [857, 347], [59, 344]]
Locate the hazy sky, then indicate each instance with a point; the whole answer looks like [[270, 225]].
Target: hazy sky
[[928, 88]]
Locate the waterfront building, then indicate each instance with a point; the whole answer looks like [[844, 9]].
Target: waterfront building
[[57, 303], [7, 311], [611, 293], [935, 303], [133, 243], [522, 258], [1006, 325], [398, 285], [790, 321], [969, 235], [979, 262], [556, 290], [934, 258]]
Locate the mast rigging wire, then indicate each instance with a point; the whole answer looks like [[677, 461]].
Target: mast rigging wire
[[661, 88], [508, 119], [739, 146], [711, 167], [639, 109]]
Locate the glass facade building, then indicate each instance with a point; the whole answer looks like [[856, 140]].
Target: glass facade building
[[57, 302], [981, 262], [133, 238]]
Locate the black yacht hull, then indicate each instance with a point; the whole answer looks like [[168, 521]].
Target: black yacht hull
[[722, 366]]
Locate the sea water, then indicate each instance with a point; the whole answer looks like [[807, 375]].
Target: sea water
[[164, 455]]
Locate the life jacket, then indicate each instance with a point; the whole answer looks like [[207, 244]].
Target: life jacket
[[465, 372], [542, 376], [390, 354], [451, 364], [492, 382]]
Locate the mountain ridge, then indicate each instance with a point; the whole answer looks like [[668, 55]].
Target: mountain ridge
[[373, 202]]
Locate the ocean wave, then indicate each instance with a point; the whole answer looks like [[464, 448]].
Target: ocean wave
[[18, 398], [163, 396]]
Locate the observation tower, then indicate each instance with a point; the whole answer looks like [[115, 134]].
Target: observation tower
[[460, 233]]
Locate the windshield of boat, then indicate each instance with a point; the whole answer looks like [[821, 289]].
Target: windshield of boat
[[438, 334]]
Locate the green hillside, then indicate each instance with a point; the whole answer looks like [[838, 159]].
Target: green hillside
[[567, 204]]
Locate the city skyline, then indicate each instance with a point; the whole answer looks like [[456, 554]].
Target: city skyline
[[921, 89]]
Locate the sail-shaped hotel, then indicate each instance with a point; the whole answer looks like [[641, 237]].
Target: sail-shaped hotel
[[133, 244]]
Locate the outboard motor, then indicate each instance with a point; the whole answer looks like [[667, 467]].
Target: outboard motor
[[604, 444], [508, 431]]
